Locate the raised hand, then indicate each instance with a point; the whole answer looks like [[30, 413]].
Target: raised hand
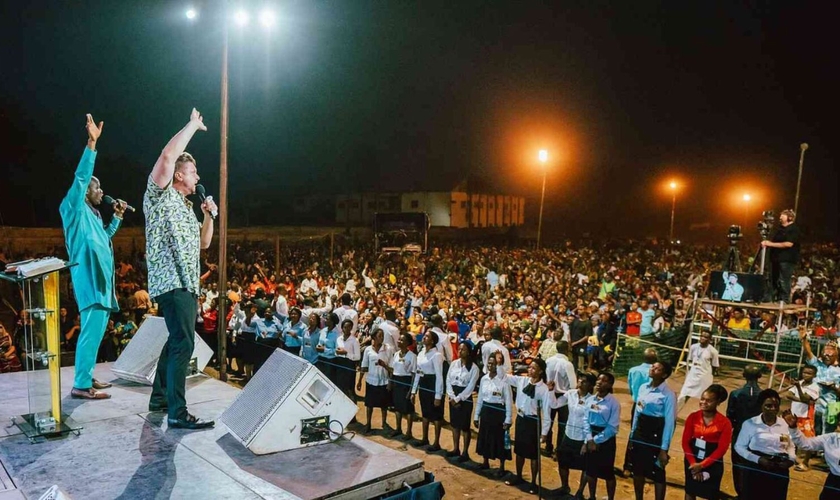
[[789, 418], [197, 120], [92, 130]]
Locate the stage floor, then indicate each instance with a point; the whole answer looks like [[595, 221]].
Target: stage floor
[[126, 452]]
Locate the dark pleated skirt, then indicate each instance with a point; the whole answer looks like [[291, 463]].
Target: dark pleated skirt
[[400, 389], [491, 433], [460, 417], [527, 442], [600, 463], [377, 396], [427, 399], [568, 454]]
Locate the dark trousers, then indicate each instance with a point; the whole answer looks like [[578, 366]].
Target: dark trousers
[[179, 311], [781, 273], [562, 416]]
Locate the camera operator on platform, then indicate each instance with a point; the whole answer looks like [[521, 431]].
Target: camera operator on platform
[[784, 255]]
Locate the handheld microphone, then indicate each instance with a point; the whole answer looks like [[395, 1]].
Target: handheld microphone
[[199, 190], [110, 201]]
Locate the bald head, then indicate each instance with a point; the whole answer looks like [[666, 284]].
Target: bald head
[[651, 356], [752, 372]]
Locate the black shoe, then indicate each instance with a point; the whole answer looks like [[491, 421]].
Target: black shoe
[[189, 422], [453, 453], [464, 458]]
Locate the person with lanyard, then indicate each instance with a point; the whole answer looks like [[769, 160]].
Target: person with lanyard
[[828, 379], [460, 384], [561, 372], [401, 369], [374, 368], [636, 378], [310, 339], [327, 342], [293, 332], [706, 437], [493, 345], [347, 356], [742, 406], [652, 430], [493, 417], [533, 407], [429, 381], [703, 364], [766, 445], [572, 441], [829, 444], [600, 425]]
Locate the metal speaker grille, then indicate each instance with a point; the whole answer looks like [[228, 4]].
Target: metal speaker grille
[[263, 394], [141, 354]]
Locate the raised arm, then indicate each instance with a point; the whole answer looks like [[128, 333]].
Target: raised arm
[[165, 166], [75, 198]]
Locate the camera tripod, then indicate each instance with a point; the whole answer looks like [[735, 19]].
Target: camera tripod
[[733, 259]]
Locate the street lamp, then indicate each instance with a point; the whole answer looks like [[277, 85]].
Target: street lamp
[[240, 17], [802, 148], [543, 157], [747, 199], [673, 187]]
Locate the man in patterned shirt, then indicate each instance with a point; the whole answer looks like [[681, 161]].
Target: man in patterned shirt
[[174, 239]]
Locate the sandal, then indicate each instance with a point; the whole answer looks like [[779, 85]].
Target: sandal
[[514, 481]]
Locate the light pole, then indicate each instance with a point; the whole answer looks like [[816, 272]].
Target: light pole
[[747, 199], [241, 18], [802, 148], [543, 156], [673, 186]]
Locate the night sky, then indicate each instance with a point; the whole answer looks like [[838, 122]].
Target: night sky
[[390, 95]]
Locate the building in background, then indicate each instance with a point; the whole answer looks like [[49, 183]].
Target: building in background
[[445, 208]]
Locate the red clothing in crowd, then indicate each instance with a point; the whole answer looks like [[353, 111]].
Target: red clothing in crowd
[[719, 431]]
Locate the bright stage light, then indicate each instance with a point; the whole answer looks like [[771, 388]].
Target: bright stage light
[[747, 197], [268, 18], [191, 13], [241, 18], [543, 155], [673, 185]]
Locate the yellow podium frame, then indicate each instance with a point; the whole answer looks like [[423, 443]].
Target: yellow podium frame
[[41, 305]]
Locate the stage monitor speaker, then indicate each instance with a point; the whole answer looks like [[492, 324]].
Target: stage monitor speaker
[[138, 361], [288, 404]]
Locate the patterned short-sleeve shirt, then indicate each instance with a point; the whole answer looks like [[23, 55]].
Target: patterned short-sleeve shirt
[[173, 240]]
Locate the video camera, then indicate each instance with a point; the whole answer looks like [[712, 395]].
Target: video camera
[[765, 225], [734, 235]]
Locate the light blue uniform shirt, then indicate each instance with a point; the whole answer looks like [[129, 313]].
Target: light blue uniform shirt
[[299, 329], [329, 339], [269, 329], [658, 402], [604, 413], [636, 377]]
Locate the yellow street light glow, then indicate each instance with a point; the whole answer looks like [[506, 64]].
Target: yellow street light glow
[[543, 155], [747, 197], [673, 185]]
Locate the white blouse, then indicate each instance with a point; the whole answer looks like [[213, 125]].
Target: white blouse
[[429, 363], [460, 376], [768, 439], [494, 391], [376, 374], [578, 408], [351, 345], [404, 366]]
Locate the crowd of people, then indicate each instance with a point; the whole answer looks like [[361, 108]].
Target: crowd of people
[[504, 332]]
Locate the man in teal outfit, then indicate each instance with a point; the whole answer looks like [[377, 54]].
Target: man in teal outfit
[[89, 245]]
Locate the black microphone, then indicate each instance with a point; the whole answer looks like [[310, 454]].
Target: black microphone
[[110, 201], [199, 190]]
